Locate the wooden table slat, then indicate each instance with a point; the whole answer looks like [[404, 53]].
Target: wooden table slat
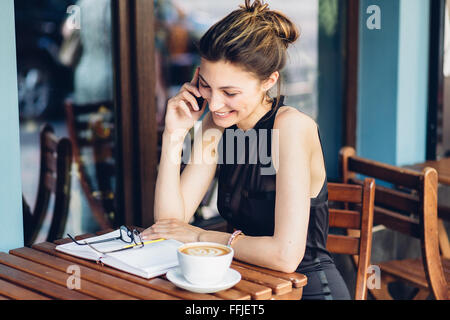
[[298, 280], [257, 291], [278, 285], [62, 241], [12, 291], [101, 278], [60, 278], [295, 294], [38, 284], [233, 294], [164, 286]]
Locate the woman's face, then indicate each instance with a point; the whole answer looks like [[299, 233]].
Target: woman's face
[[234, 95]]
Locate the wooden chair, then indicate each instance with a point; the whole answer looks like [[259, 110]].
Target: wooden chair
[[91, 130], [54, 179], [409, 207], [358, 216]]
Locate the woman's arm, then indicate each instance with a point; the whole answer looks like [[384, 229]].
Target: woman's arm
[[179, 197], [182, 112], [169, 205], [199, 173]]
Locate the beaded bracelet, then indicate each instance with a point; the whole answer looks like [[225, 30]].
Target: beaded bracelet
[[233, 237]]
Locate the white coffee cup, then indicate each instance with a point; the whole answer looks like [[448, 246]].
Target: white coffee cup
[[204, 263]]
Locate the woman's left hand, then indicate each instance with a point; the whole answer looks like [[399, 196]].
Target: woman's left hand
[[172, 229]]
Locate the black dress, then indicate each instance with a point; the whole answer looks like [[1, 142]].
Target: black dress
[[246, 200]]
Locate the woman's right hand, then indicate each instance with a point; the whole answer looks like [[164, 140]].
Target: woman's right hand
[[183, 110]]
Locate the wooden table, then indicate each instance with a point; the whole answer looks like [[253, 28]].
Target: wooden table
[[442, 166], [41, 272]]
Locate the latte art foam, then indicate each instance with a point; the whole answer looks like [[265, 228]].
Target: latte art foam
[[205, 251]]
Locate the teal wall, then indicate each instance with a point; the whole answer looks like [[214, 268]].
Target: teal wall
[[330, 115], [377, 96], [11, 225], [393, 76], [412, 85]]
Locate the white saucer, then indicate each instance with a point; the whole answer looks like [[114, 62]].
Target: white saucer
[[176, 277]]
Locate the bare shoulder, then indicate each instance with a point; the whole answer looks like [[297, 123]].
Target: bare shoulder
[[292, 121]]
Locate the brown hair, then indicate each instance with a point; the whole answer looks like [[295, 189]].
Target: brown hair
[[253, 37]]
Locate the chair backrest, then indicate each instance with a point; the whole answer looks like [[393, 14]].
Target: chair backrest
[[358, 216], [91, 130], [408, 205], [54, 179]]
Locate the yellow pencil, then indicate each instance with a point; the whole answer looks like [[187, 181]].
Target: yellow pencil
[[148, 242]]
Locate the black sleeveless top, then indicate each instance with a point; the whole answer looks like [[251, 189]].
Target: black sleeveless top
[[247, 187]]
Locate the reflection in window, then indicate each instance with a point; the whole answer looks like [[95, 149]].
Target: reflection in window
[[89, 110], [93, 76], [65, 78]]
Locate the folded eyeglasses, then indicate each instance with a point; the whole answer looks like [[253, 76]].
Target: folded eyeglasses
[[131, 237]]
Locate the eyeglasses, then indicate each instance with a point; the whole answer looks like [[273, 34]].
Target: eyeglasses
[[132, 237]]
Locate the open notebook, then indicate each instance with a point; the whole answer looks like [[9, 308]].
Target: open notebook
[[150, 261]]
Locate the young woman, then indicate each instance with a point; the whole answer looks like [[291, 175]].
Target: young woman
[[281, 219]]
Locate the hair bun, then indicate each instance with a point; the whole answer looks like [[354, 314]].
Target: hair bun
[[256, 7], [280, 24], [284, 28]]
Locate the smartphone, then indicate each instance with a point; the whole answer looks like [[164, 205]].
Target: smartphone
[[201, 99]]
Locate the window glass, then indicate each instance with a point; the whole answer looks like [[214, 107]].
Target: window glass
[[65, 78]]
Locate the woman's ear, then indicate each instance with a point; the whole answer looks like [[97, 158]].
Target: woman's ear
[[271, 81]]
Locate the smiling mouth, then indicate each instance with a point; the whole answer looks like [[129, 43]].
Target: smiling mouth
[[223, 114]]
